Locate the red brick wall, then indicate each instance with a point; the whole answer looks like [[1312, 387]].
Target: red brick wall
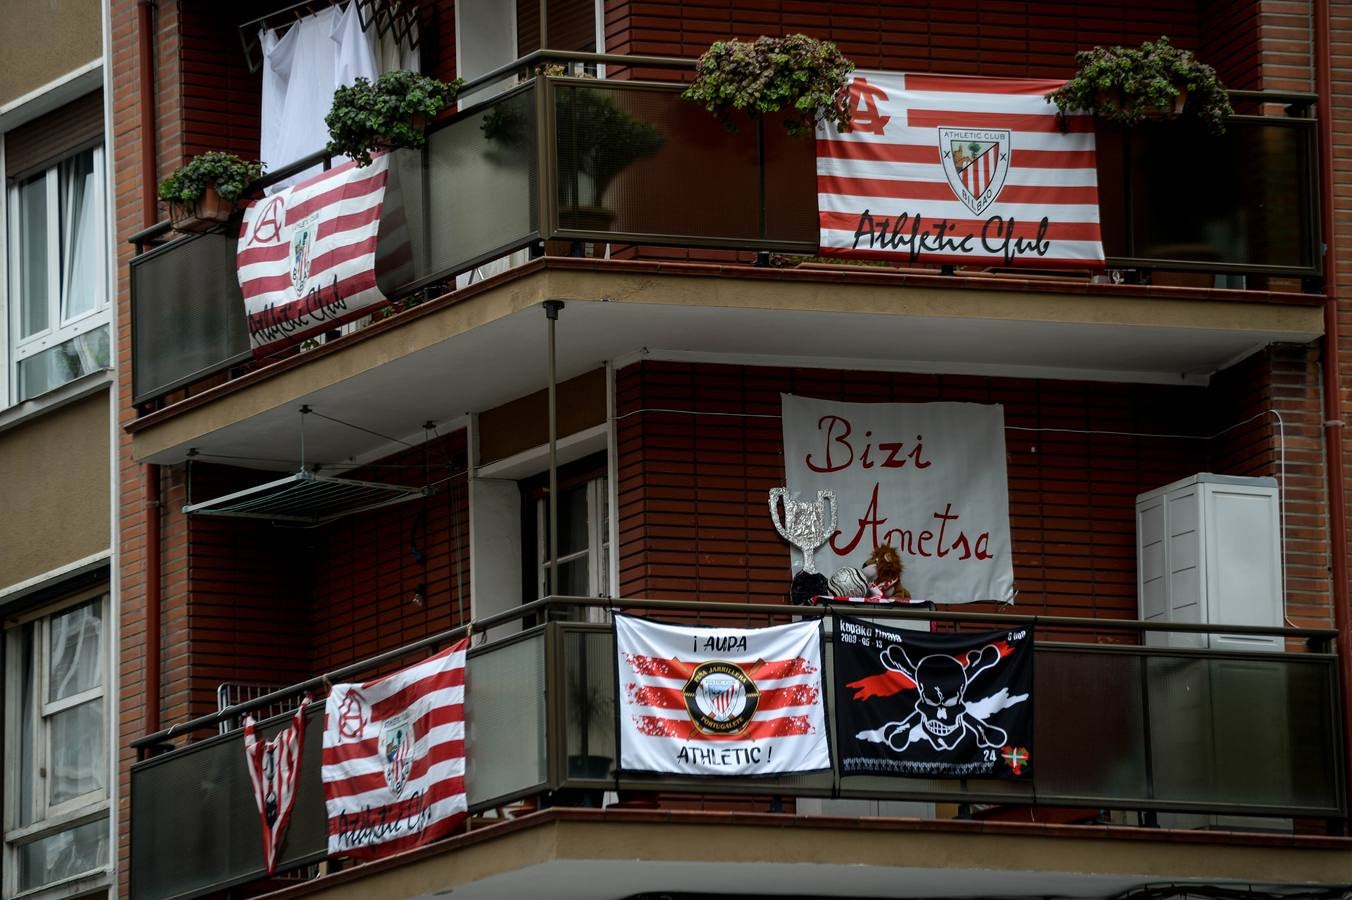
[[247, 600], [698, 482], [991, 37]]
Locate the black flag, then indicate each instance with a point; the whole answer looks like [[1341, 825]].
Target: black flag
[[933, 705]]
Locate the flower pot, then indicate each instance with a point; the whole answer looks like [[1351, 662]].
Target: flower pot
[[209, 213]]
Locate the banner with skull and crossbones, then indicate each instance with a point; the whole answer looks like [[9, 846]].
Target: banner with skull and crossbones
[[933, 705]]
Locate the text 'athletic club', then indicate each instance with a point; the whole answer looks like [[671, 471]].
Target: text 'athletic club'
[[720, 701], [954, 169]]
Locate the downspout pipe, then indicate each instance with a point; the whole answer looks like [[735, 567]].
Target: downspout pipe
[[1333, 401], [145, 37]]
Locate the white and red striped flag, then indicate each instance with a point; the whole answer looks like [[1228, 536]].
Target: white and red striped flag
[[952, 169], [274, 769], [394, 758], [720, 701], [306, 254]]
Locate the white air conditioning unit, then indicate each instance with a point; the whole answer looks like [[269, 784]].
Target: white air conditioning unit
[[1208, 551]]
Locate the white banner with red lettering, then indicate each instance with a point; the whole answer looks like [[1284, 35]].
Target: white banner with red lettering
[[953, 169], [720, 701], [307, 254], [394, 758], [928, 478]]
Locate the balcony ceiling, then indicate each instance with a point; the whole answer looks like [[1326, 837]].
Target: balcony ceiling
[[486, 345]]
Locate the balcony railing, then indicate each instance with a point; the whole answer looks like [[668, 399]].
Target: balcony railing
[[631, 163], [1118, 726]]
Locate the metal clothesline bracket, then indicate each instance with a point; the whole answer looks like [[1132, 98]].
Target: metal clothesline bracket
[[398, 17]]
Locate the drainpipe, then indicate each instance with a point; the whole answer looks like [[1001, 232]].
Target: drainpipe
[[1333, 401], [145, 37], [152, 585]]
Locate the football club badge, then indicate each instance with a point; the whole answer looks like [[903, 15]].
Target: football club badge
[[396, 750], [302, 249], [976, 162], [721, 698]]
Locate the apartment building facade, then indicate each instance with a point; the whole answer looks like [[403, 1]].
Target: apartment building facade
[[603, 354], [57, 415]]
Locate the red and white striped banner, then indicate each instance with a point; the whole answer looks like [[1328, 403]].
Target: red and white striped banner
[[394, 758], [720, 701], [307, 254], [959, 170], [274, 769]]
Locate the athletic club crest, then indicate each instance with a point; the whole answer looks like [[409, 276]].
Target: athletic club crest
[[302, 249], [721, 698], [976, 161], [396, 750]]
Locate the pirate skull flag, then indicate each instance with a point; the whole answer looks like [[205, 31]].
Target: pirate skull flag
[[933, 705]]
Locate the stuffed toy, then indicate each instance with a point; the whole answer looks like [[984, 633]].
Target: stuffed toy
[[883, 569]]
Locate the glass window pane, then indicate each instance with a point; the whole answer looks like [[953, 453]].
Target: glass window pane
[[30, 224], [62, 855], [77, 357], [73, 655], [572, 520], [573, 578], [28, 716], [81, 286], [75, 752]]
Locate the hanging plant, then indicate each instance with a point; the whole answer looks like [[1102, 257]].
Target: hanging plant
[[385, 114], [595, 137], [796, 73], [1125, 85], [204, 192]]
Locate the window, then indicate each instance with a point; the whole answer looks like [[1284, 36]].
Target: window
[[58, 289], [56, 751], [583, 540]]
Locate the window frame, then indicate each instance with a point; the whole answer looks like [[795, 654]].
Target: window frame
[[51, 819], [597, 549], [60, 327]]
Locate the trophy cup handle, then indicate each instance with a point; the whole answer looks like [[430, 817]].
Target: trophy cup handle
[[776, 495], [823, 497]]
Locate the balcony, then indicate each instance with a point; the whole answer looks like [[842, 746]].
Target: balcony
[[525, 173], [1126, 735]]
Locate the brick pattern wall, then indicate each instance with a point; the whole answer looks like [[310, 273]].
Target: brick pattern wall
[[698, 479], [991, 37], [1339, 108]]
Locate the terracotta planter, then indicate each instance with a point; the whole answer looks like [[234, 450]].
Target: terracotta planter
[[210, 212]]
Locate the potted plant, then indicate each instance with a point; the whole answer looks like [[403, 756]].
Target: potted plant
[[589, 708], [796, 73], [1126, 85], [385, 114], [596, 139], [203, 193]]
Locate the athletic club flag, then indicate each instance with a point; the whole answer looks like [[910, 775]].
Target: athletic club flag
[[394, 758], [306, 254], [274, 769], [720, 701], [933, 705], [958, 170]]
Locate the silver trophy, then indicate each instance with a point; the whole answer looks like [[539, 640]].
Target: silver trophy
[[804, 524]]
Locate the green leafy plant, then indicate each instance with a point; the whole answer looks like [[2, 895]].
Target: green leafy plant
[[1125, 85], [228, 173], [797, 73], [596, 137], [390, 112]]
